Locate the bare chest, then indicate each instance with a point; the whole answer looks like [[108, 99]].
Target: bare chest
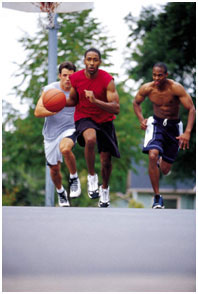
[[163, 98]]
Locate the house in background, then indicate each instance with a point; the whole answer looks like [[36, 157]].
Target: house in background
[[181, 195]]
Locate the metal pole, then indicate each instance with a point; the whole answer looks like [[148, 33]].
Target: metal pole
[[52, 76]]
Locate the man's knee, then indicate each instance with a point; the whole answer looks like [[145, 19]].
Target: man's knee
[[55, 169], [65, 150], [153, 155], [90, 137], [66, 146], [90, 141]]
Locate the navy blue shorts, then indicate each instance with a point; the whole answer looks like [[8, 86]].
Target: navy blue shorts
[[105, 132], [161, 134]]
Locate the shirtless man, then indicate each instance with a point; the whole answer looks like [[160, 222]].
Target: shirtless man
[[163, 131]]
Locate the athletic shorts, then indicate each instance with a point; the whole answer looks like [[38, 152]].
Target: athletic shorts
[[52, 148], [105, 133], [161, 134]]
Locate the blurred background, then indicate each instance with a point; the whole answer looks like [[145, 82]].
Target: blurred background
[[131, 39]]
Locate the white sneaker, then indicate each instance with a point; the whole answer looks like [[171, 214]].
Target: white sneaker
[[104, 197], [63, 200], [75, 188], [92, 186]]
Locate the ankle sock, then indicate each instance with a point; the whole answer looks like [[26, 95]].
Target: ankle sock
[[73, 176], [60, 190]]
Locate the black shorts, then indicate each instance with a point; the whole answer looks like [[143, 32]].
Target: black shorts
[[73, 137], [105, 132]]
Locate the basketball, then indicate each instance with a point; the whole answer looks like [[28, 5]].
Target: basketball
[[54, 100]]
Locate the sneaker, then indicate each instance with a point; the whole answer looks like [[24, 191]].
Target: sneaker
[[75, 188], [63, 200], [92, 186], [158, 202], [104, 197]]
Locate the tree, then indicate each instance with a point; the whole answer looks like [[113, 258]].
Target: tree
[[23, 156], [168, 36]]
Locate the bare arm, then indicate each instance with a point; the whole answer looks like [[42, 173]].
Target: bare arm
[[187, 102], [139, 98], [40, 110], [112, 105], [73, 98]]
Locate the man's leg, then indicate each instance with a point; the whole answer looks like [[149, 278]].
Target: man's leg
[[56, 175], [106, 168], [57, 180], [66, 146], [165, 166], [154, 172], [90, 142]]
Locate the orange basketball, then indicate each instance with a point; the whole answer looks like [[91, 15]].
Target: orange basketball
[[54, 100]]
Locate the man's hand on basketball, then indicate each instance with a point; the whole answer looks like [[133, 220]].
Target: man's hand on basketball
[[90, 95], [184, 141], [143, 124]]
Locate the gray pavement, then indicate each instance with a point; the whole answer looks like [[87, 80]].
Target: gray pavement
[[52, 249]]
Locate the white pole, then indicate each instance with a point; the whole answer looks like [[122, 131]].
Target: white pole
[[52, 76]]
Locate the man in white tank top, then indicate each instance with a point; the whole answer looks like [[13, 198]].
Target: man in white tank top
[[60, 137]]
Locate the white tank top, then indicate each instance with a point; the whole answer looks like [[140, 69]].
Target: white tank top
[[56, 124]]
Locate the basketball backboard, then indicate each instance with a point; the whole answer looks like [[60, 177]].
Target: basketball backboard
[[53, 7]]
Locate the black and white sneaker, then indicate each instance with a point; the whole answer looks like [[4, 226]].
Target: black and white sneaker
[[63, 200], [92, 186], [74, 187], [158, 202], [104, 197]]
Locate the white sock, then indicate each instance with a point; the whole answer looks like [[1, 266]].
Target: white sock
[[74, 175], [60, 190], [105, 188], [91, 176]]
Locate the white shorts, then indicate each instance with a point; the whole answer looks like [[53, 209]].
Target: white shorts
[[52, 148]]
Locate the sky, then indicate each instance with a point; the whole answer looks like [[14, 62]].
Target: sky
[[14, 23]]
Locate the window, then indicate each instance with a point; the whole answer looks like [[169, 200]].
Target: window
[[172, 202]]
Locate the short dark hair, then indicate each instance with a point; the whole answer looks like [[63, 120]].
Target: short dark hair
[[68, 65], [93, 50], [162, 65]]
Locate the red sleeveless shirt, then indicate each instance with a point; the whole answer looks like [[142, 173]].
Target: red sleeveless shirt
[[98, 85]]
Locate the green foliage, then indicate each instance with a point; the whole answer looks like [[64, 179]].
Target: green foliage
[[168, 36], [135, 204], [129, 137], [22, 154]]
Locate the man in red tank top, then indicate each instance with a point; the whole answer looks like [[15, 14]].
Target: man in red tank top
[[94, 94]]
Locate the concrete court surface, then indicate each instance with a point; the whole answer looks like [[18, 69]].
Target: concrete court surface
[[52, 249]]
